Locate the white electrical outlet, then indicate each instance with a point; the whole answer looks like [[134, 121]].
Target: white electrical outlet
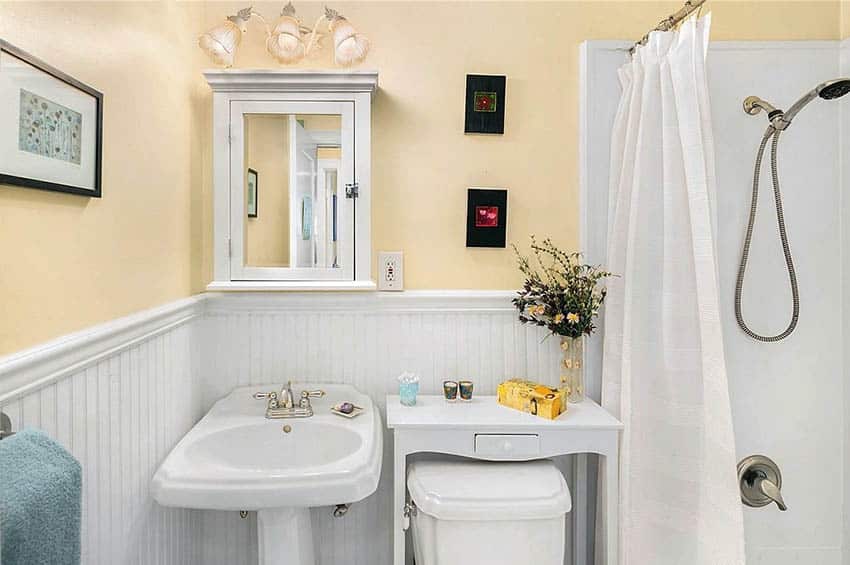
[[390, 270]]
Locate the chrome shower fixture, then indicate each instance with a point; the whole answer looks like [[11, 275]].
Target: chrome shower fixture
[[829, 90], [779, 121]]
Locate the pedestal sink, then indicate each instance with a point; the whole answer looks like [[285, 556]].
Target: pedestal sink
[[236, 459]]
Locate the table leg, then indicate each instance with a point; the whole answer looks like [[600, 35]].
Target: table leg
[[399, 499], [612, 506]]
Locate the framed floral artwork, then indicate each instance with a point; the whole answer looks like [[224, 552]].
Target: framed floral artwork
[[486, 217], [485, 104], [51, 127]]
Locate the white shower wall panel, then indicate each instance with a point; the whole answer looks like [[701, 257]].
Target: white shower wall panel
[[787, 397]]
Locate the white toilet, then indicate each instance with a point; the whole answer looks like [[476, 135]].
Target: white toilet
[[471, 512]]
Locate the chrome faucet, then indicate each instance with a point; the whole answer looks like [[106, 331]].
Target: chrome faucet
[[282, 405]]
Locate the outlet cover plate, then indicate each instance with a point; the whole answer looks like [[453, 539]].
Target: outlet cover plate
[[390, 270]]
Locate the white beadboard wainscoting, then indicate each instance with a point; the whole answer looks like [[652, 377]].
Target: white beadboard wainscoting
[[118, 396], [365, 340]]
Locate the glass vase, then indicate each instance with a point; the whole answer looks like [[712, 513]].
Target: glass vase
[[572, 368]]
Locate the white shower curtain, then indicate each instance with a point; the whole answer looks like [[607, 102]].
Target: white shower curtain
[[664, 372]]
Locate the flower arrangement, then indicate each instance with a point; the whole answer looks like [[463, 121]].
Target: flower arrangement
[[560, 293]]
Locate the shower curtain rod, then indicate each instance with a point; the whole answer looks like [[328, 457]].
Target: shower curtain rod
[[671, 21]]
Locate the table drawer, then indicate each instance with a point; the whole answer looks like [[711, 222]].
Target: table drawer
[[513, 445]]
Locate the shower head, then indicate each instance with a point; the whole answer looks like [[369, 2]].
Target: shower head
[[833, 89], [829, 90]]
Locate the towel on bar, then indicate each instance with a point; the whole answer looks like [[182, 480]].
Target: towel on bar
[[40, 506]]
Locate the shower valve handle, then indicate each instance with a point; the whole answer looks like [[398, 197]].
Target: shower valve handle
[[760, 482], [770, 490]]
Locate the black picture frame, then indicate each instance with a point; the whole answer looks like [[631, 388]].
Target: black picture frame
[[485, 104], [482, 228], [10, 179], [256, 175]]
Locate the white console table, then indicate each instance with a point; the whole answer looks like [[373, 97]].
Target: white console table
[[483, 429]]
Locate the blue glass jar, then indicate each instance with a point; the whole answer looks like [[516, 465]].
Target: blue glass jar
[[408, 388]]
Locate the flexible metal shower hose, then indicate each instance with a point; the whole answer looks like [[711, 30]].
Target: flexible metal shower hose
[[783, 236]]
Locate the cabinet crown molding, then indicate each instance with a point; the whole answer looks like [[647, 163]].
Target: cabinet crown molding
[[264, 80]]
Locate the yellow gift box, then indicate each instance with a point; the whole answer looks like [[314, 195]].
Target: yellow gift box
[[533, 398]]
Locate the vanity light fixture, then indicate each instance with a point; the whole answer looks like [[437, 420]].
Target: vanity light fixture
[[285, 42], [220, 42], [350, 47]]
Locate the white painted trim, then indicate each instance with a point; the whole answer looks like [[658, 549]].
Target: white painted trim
[[31, 369], [264, 80], [224, 238], [482, 301], [36, 367], [239, 271], [290, 286]]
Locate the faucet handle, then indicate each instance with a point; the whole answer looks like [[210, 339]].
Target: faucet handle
[[760, 482], [318, 393], [272, 396], [770, 490]]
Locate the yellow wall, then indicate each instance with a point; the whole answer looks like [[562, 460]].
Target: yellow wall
[[423, 162], [267, 152], [67, 262], [845, 19]]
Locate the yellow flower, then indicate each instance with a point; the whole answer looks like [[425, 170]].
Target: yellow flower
[[559, 318], [572, 318], [537, 310]]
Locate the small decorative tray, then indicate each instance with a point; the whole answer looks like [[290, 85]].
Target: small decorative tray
[[352, 412]]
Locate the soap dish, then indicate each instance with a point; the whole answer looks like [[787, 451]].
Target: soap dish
[[357, 410]]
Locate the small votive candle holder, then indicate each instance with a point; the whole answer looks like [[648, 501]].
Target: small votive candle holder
[[450, 390], [408, 388], [465, 390]]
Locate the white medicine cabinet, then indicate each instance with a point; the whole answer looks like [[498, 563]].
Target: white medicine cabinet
[[291, 179]]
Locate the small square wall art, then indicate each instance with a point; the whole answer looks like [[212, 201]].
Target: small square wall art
[[485, 104], [486, 217]]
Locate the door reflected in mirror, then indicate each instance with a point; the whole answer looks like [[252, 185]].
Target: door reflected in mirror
[[291, 190]]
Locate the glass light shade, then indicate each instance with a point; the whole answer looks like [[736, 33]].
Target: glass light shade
[[350, 47], [284, 43], [220, 43]]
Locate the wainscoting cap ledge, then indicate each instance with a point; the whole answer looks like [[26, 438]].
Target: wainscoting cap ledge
[[407, 301], [37, 367]]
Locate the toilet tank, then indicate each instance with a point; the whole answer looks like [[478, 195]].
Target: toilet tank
[[483, 512]]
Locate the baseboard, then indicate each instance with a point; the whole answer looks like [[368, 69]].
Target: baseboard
[[36, 367]]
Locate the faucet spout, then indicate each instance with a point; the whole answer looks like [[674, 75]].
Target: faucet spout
[[286, 400], [770, 490]]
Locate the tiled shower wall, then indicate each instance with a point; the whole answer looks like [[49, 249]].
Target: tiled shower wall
[[119, 413]]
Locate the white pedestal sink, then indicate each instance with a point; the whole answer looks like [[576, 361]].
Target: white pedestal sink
[[236, 459]]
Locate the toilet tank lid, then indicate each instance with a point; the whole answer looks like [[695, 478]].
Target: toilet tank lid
[[481, 490]]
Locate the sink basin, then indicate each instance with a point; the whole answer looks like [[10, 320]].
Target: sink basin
[[236, 459], [262, 449]]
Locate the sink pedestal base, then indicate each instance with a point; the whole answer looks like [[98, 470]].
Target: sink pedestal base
[[285, 536]]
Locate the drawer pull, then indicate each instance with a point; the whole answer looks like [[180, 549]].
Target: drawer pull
[[501, 445]]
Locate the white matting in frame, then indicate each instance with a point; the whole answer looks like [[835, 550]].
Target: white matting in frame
[[50, 127]]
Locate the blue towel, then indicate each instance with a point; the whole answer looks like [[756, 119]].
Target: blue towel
[[40, 506]]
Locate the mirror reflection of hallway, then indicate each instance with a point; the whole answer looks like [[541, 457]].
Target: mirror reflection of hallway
[[291, 171]]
